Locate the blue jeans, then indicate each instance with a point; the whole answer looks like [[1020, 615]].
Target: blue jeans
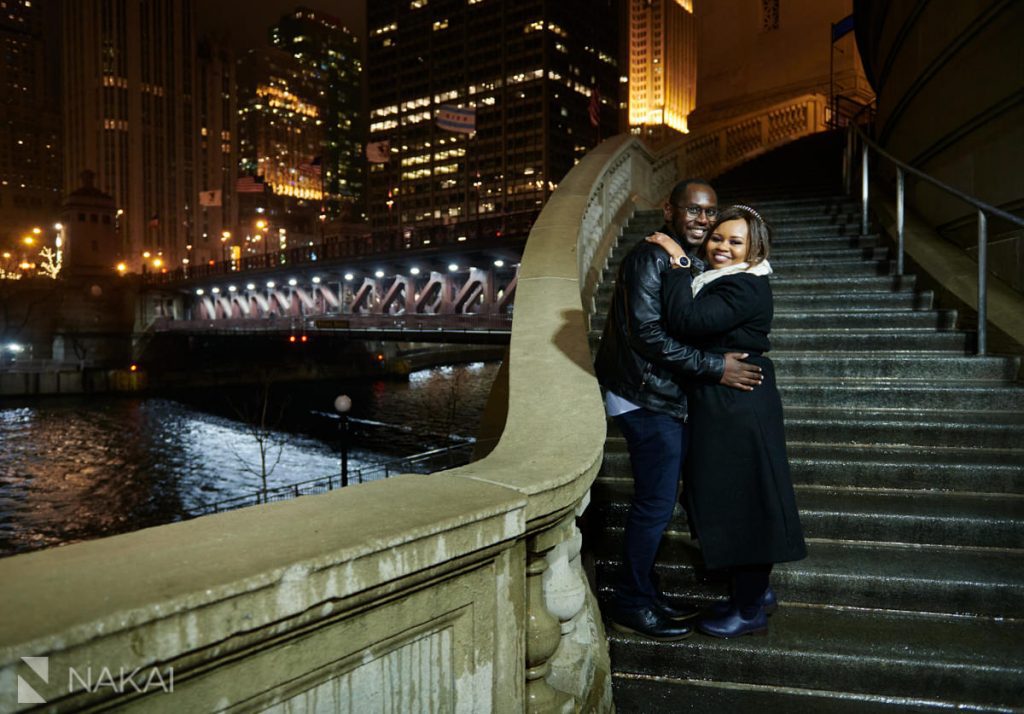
[[657, 447]]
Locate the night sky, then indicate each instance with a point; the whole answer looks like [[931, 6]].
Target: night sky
[[245, 23]]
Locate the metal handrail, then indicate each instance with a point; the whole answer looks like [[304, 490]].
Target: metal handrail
[[407, 464], [984, 211]]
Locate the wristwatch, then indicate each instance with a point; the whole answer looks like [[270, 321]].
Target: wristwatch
[[682, 261]]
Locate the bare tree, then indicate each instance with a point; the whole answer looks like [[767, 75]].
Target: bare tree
[[261, 424]]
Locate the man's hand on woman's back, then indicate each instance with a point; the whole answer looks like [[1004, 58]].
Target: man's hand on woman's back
[[739, 374]]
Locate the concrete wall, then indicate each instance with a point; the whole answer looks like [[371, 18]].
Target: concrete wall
[[950, 82]]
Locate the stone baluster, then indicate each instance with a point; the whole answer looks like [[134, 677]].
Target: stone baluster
[[543, 632]]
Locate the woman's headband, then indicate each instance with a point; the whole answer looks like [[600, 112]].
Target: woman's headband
[[749, 210]]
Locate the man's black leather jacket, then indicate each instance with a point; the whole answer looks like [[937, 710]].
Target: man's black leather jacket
[[638, 359]]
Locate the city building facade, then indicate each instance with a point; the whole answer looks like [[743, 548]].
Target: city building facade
[[754, 54], [330, 52], [662, 68], [217, 107], [30, 165], [130, 91], [481, 108], [281, 140]]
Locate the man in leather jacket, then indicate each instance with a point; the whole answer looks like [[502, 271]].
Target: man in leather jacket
[[643, 370]]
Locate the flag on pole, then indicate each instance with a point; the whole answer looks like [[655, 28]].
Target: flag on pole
[[250, 184], [210, 198], [378, 152], [843, 27], [457, 119], [594, 109]]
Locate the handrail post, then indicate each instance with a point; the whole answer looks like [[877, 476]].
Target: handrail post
[[848, 162], [900, 218], [864, 188], [982, 279]]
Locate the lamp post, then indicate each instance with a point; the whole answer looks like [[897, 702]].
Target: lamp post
[[342, 405]]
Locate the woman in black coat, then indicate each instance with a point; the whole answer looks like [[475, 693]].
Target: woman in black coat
[[737, 486]]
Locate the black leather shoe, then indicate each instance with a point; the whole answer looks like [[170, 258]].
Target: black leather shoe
[[683, 612], [649, 622], [767, 601], [733, 624]]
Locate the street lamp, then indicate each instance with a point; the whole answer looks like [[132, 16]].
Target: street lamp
[[342, 405]]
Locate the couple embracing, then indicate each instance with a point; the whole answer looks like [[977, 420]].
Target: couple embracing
[[686, 381]]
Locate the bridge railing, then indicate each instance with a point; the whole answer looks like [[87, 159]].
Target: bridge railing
[[379, 242]]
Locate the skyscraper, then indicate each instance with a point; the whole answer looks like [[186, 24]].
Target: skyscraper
[[662, 67], [30, 123], [130, 116], [331, 53], [217, 108], [484, 107], [281, 130]]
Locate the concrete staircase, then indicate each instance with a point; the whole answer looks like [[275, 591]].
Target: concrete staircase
[[908, 461]]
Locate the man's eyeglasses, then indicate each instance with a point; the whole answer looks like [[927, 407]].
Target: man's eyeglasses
[[695, 210]]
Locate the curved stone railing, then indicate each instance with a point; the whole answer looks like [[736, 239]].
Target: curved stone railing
[[717, 148], [461, 590]]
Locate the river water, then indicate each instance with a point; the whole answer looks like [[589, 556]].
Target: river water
[[78, 468]]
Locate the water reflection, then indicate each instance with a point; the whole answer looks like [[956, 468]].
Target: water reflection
[[78, 468]]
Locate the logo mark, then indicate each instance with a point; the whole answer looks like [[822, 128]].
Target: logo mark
[[41, 667]]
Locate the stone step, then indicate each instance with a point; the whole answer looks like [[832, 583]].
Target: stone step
[[815, 202], [831, 320], [882, 319], [786, 253], [841, 285], [782, 259], [884, 516], [904, 430], [824, 271], [823, 242], [831, 464], [791, 246], [790, 341], [882, 340], [918, 368], [943, 399], [866, 301], [827, 660], [860, 301], [965, 469], [813, 218], [941, 580], [792, 367]]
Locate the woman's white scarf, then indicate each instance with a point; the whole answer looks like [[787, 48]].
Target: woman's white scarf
[[762, 268]]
